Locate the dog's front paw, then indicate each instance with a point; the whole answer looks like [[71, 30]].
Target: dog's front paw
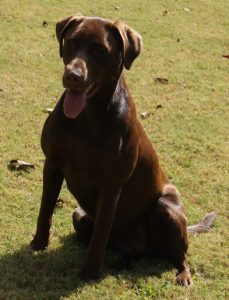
[[38, 244], [88, 274], [184, 278]]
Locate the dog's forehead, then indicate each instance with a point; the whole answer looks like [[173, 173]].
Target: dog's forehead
[[95, 21], [93, 27]]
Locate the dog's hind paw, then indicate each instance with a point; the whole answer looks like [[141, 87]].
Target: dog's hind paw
[[184, 278]]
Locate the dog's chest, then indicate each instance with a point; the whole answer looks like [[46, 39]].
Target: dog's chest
[[84, 155]]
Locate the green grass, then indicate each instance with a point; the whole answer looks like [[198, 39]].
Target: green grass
[[190, 133]]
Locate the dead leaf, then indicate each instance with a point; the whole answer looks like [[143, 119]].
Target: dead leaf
[[144, 115], [45, 24], [161, 80], [60, 203], [225, 56], [48, 110], [19, 165]]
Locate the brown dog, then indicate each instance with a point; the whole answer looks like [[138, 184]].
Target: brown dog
[[95, 142]]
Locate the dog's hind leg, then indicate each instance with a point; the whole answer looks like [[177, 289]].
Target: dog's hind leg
[[83, 225], [169, 232]]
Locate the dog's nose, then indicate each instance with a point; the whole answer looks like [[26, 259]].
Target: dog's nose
[[74, 75]]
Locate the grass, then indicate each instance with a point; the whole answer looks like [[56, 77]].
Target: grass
[[184, 42]]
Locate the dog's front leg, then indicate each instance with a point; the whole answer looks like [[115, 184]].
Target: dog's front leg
[[52, 181], [105, 214]]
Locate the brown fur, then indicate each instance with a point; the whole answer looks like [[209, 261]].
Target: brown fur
[[105, 156]]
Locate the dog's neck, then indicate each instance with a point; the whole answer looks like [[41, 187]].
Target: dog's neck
[[111, 104], [112, 99], [119, 100]]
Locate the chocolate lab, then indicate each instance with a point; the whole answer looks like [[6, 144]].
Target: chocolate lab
[[95, 142]]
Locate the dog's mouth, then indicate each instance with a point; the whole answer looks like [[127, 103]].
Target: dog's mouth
[[76, 100]]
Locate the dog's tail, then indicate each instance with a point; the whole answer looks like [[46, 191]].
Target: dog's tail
[[204, 225]]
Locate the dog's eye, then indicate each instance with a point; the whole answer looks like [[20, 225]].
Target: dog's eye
[[70, 43], [100, 50]]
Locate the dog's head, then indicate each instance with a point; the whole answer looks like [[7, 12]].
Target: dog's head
[[94, 52]]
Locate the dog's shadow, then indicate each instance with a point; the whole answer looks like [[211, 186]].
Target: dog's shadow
[[54, 273]]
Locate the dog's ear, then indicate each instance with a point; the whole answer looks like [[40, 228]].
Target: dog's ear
[[63, 26], [132, 43]]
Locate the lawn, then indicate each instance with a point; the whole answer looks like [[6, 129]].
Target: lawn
[[184, 42]]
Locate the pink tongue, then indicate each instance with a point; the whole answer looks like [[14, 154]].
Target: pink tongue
[[74, 103]]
